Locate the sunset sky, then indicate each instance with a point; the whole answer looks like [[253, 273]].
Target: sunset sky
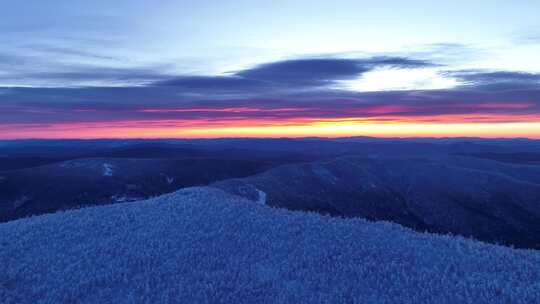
[[94, 69]]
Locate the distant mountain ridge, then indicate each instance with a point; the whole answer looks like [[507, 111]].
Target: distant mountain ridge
[[95, 181], [43, 176], [487, 200]]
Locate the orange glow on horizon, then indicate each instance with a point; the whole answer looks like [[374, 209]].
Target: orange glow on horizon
[[488, 126], [484, 119]]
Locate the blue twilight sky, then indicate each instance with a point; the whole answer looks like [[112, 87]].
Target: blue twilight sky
[[61, 56], [217, 36]]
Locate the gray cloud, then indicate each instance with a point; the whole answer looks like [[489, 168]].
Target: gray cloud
[[496, 80], [290, 75], [287, 89]]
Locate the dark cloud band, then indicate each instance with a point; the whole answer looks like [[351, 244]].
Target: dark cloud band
[[289, 89]]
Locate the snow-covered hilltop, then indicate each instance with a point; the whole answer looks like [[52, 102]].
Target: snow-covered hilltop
[[202, 245]]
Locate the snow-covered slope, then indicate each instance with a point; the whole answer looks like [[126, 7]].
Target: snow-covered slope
[[202, 245], [488, 200]]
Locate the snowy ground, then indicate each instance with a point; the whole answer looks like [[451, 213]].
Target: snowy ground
[[201, 245], [107, 170]]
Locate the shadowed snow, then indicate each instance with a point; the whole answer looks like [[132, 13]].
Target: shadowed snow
[[202, 245], [107, 170]]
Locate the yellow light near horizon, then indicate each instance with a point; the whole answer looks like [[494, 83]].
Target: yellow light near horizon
[[337, 129]]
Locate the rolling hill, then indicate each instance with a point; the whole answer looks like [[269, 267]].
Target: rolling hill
[[487, 200], [83, 182], [202, 245]]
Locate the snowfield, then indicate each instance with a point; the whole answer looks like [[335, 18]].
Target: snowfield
[[202, 245], [107, 170]]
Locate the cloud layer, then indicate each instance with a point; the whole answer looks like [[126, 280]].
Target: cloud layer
[[284, 92]]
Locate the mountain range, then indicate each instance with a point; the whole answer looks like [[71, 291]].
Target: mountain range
[[487, 189], [487, 200]]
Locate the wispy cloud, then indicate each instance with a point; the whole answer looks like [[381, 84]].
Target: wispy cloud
[[281, 92], [497, 80], [289, 75]]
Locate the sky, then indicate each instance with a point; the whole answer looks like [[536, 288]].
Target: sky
[[142, 69]]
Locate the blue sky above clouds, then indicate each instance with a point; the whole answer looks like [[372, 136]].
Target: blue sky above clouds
[[62, 56]]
